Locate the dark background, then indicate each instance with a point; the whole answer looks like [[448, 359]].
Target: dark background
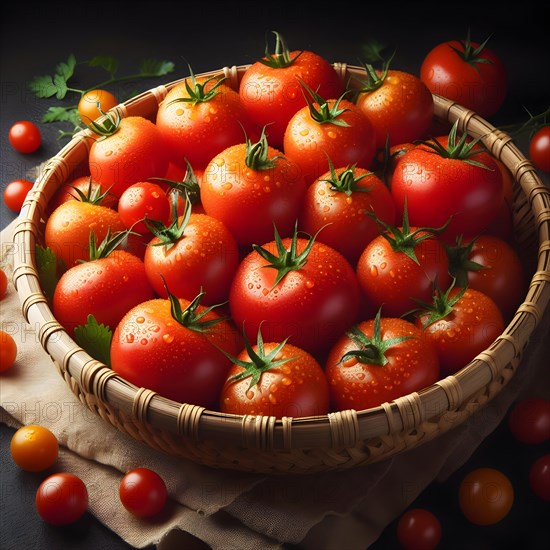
[[209, 35]]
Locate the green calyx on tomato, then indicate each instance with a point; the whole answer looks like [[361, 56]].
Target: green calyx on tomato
[[470, 54], [325, 112], [92, 194], [107, 245], [460, 263], [197, 91], [169, 234], [346, 182], [189, 186], [374, 79], [188, 317], [403, 239], [371, 351], [257, 154], [259, 361], [286, 260], [108, 126], [460, 149], [281, 58], [441, 306]]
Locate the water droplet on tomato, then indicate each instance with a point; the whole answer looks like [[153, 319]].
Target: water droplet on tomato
[[332, 134], [285, 381], [265, 291], [249, 394], [154, 328], [272, 399], [168, 338], [310, 284], [373, 271], [227, 186], [144, 341], [140, 319], [129, 338], [108, 153], [304, 132]]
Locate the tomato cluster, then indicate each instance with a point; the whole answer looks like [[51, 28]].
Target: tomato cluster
[[289, 247]]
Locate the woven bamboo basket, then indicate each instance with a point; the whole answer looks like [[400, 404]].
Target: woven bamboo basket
[[262, 444]]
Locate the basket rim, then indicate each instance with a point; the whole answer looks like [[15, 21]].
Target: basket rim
[[336, 429]]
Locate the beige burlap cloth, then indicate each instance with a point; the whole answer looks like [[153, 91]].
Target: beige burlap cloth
[[337, 510]]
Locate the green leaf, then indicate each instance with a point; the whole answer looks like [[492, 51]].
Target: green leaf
[[61, 114], [66, 70], [43, 86], [95, 339], [107, 62], [372, 50], [153, 67], [48, 268]]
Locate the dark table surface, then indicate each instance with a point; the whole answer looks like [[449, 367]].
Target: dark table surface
[[35, 37]]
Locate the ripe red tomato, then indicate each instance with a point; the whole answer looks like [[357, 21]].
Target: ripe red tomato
[[251, 188], [489, 264], [418, 529], [271, 92], [398, 104], [379, 360], [3, 283], [88, 108], [539, 149], [485, 496], [464, 323], [389, 276], [329, 128], [200, 117], [315, 300], [143, 200], [178, 357], [8, 351], [92, 190], [338, 200], [143, 492], [67, 230], [25, 137], [539, 477], [466, 72], [529, 420], [131, 150], [62, 499], [34, 448], [202, 255], [275, 380], [437, 184], [106, 288], [15, 194]]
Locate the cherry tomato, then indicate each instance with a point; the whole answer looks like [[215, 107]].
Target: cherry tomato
[[372, 363], [539, 477], [88, 108], [143, 200], [67, 230], [492, 266], [134, 150], [437, 188], [539, 149], [15, 194], [291, 383], [25, 137], [463, 323], [399, 106], [466, 72], [346, 137], [250, 193], [173, 353], [34, 448], [199, 118], [338, 202], [486, 496], [8, 351], [143, 492], [529, 420], [61, 499], [418, 529], [3, 283]]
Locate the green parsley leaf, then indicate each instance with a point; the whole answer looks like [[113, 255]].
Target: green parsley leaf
[[95, 339], [48, 269], [107, 62], [152, 67]]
